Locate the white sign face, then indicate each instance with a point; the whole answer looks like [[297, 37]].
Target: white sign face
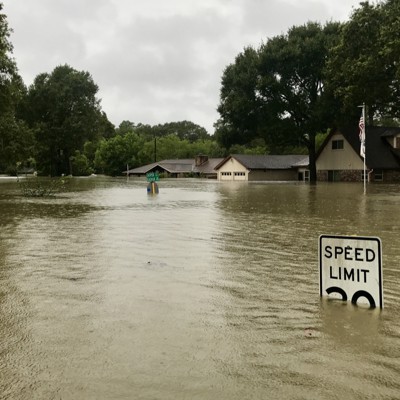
[[350, 268]]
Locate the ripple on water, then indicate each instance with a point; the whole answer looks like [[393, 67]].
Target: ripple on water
[[204, 291]]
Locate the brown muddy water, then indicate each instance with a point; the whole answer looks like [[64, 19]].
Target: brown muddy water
[[208, 290]]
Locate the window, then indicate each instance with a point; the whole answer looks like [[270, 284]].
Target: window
[[333, 176], [307, 175], [240, 173], [378, 175], [226, 173], [337, 144]]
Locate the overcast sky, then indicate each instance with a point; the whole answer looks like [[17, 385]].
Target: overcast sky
[[154, 61]]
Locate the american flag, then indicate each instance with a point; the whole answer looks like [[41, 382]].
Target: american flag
[[361, 125], [361, 135]]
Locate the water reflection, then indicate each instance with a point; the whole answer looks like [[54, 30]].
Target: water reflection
[[208, 290]]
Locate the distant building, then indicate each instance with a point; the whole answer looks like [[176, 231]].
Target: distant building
[[240, 167], [339, 158], [200, 166]]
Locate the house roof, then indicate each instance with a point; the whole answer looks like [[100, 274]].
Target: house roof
[[252, 162], [179, 166], [208, 167], [379, 153], [171, 166]]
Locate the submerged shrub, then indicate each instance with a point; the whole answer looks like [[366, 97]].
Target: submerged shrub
[[42, 187]]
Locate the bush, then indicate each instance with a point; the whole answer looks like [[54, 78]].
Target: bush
[[42, 187]]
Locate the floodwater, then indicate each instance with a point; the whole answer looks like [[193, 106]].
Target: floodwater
[[208, 290]]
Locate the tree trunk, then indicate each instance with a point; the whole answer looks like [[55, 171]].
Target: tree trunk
[[312, 159]]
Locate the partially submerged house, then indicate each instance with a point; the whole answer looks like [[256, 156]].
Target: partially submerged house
[[339, 157], [240, 167], [200, 166]]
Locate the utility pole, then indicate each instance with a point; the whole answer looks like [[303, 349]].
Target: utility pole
[[155, 148]]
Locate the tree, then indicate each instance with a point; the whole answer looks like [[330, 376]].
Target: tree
[[182, 129], [292, 85], [16, 141], [125, 127], [80, 165], [279, 92], [239, 105], [390, 40], [357, 70], [209, 147], [63, 110], [364, 66], [171, 147], [9, 78], [106, 128], [113, 155]]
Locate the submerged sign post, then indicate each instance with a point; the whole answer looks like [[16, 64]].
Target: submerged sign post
[[152, 178], [350, 268]]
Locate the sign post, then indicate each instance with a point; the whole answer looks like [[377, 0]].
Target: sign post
[[152, 178], [350, 268]]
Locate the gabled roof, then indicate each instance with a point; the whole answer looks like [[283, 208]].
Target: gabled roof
[[181, 166], [253, 162], [379, 153], [171, 166]]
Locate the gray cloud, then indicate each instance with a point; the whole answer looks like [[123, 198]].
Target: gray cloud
[[155, 61]]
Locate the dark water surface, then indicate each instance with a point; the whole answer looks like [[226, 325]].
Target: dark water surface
[[207, 291]]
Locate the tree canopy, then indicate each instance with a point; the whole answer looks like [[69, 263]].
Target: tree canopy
[[239, 106], [64, 112], [299, 84], [364, 66], [15, 139], [181, 129], [279, 91], [281, 97]]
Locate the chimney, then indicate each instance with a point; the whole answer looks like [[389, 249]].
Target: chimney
[[200, 160]]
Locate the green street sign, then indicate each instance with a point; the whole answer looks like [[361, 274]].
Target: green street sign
[[152, 176]]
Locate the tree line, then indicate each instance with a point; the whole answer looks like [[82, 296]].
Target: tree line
[[281, 97], [57, 126], [313, 78]]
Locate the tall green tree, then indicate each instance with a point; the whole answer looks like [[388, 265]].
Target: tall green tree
[[16, 144], [239, 106], [357, 69], [182, 129], [16, 141], [10, 81], [64, 112], [364, 67], [390, 41], [113, 155], [292, 86], [279, 93]]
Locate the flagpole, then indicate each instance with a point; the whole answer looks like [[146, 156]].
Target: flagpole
[[365, 151], [363, 147]]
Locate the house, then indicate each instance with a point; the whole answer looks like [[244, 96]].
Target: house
[[240, 167], [339, 159], [200, 166]]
